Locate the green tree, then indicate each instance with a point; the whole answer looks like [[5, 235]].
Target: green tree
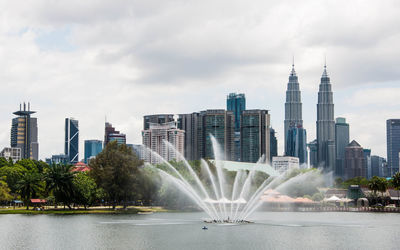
[[378, 184], [115, 170], [86, 191], [395, 181], [4, 191], [12, 175], [29, 186], [59, 180]]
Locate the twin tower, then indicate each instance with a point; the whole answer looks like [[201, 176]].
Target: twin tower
[[322, 150]]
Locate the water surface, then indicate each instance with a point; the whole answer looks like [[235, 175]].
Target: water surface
[[272, 230]]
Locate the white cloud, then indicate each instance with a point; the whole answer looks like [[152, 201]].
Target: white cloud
[[131, 58]]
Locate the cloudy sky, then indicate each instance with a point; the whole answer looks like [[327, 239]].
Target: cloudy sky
[[123, 59]]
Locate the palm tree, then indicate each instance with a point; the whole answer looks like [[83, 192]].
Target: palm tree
[[396, 184], [59, 181], [28, 186]]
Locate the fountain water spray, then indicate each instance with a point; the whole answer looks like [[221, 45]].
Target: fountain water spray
[[219, 203]]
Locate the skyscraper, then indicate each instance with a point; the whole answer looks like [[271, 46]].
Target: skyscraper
[[354, 161], [293, 106], [24, 133], [236, 103], [273, 144], [313, 147], [154, 137], [342, 139], [92, 149], [393, 145], [296, 145], [220, 124], [190, 124], [325, 124], [255, 135], [113, 135], [71, 146], [158, 119]]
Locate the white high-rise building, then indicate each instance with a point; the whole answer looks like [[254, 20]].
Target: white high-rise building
[[154, 137]]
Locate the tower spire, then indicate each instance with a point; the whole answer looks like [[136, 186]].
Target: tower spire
[[293, 73]]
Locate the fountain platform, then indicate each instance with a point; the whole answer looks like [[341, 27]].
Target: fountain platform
[[228, 221]]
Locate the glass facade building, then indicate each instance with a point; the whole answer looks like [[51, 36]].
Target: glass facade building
[[220, 124], [342, 139], [190, 124], [393, 145], [92, 149], [236, 103], [255, 135], [296, 144], [111, 134], [273, 144], [156, 119], [71, 146]]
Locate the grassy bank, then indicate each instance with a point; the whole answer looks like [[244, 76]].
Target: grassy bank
[[92, 210]]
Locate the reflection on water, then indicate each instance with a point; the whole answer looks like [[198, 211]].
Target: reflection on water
[[272, 230]]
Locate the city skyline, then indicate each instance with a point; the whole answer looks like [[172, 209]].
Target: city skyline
[[180, 67]]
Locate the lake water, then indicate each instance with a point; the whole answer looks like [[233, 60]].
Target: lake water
[[271, 230]]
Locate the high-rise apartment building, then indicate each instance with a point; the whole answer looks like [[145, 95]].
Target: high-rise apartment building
[[92, 149], [293, 105], [354, 161], [156, 119], [237, 104], [296, 145], [71, 145], [190, 124], [11, 153], [393, 145], [255, 135], [326, 154], [342, 139], [155, 137], [220, 124], [24, 133], [113, 135]]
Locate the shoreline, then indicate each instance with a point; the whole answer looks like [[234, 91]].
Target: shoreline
[[92, 210]]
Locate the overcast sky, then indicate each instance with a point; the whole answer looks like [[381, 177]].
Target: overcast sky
[[124, 59]]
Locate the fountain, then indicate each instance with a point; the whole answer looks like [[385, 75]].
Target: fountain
[[221, 204]]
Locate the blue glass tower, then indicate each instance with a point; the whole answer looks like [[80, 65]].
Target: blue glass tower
[[393, 145], [92, 149], [72, 140], [236, 103], [296, 143]]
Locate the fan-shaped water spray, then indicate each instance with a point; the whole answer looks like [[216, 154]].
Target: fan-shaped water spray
[[222, 205]]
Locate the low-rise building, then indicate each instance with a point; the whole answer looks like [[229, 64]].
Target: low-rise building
[[11, 152], [284, 163]]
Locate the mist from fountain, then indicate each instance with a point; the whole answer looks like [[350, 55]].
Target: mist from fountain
[[215, 202]]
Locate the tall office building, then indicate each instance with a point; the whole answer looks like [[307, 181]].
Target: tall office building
[[326, 153], [236, 103], [273, 144], [342, 139], [113, 135], [354, 161], [154, 137], [393, 145], [313, 148], [367, 163], [190, 124], [71, 146], [220, 124], [293, 106], [378, 166], [24, 133], [255, 135], [296, 145], [92, 149], [156, 119]]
